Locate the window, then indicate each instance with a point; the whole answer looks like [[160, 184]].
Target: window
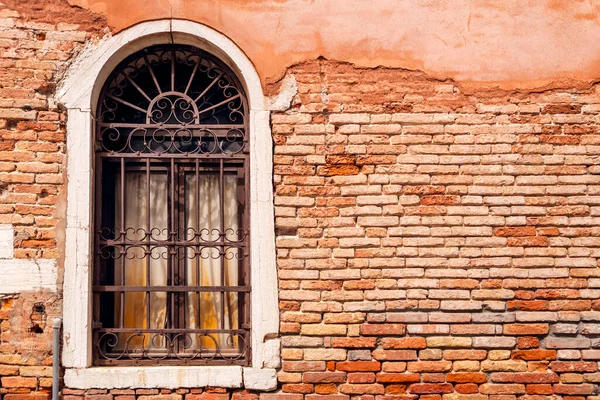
[[80, 92], [171, 280]]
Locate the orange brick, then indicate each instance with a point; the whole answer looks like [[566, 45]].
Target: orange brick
[[358, 366]]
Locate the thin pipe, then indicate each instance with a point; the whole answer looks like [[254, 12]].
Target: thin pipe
[[56, 324]]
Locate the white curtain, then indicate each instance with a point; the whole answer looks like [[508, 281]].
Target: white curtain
[[202, 214]]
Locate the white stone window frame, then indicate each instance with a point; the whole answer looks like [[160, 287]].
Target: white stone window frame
[[79, 92]]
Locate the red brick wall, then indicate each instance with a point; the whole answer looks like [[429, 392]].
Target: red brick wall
[[32, 129], [33, 55], [432, 242], [26, 345]]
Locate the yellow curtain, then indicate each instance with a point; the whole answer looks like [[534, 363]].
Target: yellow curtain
[[207, 218]]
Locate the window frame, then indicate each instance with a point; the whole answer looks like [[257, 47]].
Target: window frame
[[79, 92], [119, 118]]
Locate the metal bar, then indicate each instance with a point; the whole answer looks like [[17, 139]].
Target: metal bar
[[99, 267], [192, 77], [148, 249], [174, 330], [137, 87], [241, 193], [171, 126], [122, 231], [181, 263], [246, 320], [128, 104], [198, 269], [222, 235], [172, 258], [189, 156], [167, 243], [219, 104], [152, 73], [176, 361], [169, 288], [186, 163]]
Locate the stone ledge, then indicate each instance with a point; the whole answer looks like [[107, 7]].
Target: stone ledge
[[170, 377], [153, 377]]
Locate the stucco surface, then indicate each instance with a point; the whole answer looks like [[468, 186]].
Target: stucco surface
[[511, 44]]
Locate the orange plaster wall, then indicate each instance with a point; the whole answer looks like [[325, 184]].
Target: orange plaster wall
[[509, 43]]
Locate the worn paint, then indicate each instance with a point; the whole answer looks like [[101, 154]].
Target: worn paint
[[533, 43], [50, 11]]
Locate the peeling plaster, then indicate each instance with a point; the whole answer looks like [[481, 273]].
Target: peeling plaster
[[20, 275], [524, 45], [53, 11], [282, 101]]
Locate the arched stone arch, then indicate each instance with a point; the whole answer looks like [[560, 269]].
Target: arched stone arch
[[79, 92]]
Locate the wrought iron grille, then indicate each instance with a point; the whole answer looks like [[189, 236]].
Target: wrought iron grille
[[171, 273]]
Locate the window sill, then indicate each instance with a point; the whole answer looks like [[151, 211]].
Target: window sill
[[171, 377]]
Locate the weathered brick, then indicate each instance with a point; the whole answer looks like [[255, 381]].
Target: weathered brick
[[419, 229], [382, 329], [573, 366], [18, 382], [403, 343], [429, 366], [494, 389], [359, 366], [566, 343]]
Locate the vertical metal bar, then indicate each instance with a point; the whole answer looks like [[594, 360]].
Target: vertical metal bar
[[247, 320], [148, 234], [182, 250], [98, 264], [222, 238], [241, 216], [124, 249], [198, 239], [172, 237]]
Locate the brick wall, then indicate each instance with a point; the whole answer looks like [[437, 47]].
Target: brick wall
[[434, 241], [26, 345], [32, 129], [32, 198]]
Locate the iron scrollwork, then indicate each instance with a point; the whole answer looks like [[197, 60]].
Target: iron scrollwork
[[168, 100], [193, 345]]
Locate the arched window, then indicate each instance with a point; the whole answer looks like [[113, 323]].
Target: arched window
[[237, 355], [171, 281]]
